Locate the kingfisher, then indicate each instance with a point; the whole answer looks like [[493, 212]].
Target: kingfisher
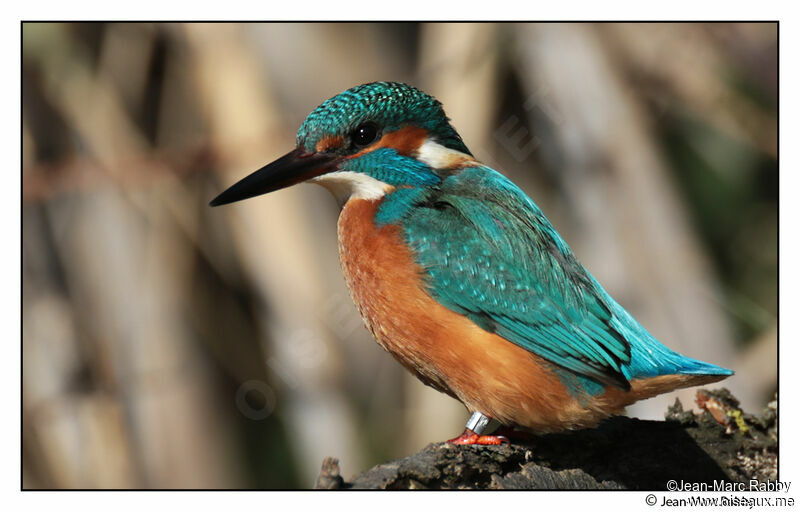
[[459, 275]]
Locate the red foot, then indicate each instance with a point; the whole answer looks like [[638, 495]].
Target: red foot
[[470, 437]]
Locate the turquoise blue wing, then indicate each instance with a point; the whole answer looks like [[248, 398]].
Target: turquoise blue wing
[[489, 253]]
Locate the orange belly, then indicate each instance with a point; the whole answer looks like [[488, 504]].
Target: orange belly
[[451, 353]]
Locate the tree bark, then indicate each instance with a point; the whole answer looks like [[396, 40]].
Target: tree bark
[[720, 444]]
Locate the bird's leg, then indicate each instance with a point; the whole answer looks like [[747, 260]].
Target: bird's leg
[[472, 433]]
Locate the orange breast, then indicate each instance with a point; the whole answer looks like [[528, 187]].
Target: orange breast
[[448, 351]]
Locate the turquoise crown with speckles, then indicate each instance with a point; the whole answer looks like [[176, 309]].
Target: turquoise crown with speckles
[[390, 105]]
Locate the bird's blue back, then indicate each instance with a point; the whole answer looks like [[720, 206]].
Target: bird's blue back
[[490, 253]]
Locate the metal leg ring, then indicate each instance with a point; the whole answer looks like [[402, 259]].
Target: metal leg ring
[[477, 422]]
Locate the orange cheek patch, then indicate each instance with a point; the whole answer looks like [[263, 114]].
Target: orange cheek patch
[[405, 141], [329, 143]]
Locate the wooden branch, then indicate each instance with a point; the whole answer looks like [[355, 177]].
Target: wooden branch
[[622, 453]]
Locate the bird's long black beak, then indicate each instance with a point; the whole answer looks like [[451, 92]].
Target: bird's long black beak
[[291, 168]]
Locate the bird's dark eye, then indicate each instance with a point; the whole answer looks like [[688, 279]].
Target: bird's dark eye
[[365, 134]]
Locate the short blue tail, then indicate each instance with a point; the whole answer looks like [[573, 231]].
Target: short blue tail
[[649, 358]]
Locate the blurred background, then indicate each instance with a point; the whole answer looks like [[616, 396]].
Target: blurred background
[[167, 344]]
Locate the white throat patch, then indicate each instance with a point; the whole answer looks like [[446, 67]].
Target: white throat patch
[[345, 185]]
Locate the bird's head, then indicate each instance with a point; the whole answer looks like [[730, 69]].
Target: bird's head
[[364, 142]]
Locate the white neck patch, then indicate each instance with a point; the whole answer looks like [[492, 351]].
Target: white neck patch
[[439, 157], [345, 185]]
